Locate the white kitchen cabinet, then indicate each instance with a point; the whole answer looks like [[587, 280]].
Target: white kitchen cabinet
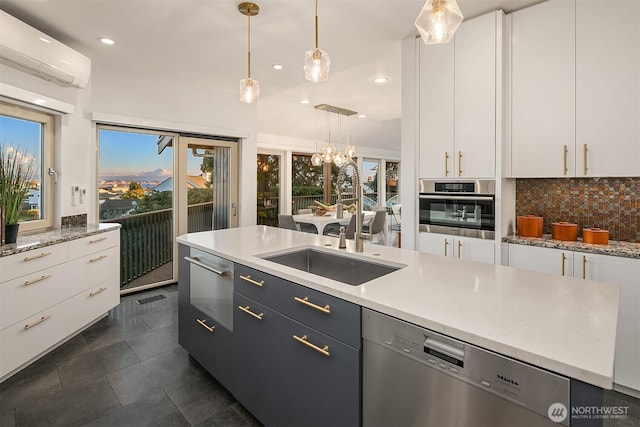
[[465, 248], [607, 88], [457, 102], [624, 272], [49, 294], [543, 90], [544, 260], [474, 150], [436, 110]]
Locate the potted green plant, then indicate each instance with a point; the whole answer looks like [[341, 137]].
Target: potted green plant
[[17, 172]]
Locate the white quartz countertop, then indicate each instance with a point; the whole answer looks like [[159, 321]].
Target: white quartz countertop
[[565, 325]]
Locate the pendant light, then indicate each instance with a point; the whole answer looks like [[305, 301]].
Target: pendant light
[[249, 88], [316, 61], [438, 21]]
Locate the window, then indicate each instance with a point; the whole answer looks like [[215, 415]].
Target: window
[[30, 133]]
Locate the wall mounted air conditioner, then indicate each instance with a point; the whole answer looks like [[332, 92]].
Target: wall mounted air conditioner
[[32, 51]]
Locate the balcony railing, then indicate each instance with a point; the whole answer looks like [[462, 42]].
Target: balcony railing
[[146, 239]]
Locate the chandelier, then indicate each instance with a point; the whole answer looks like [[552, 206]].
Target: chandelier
[[329, 152]]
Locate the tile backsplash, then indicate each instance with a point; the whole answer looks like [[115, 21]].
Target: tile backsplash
[[609, 203]]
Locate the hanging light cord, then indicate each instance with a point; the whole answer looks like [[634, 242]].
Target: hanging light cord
[[249, 49], [316, 24]]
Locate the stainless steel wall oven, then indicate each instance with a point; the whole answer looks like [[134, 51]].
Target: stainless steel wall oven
[[458, 207]]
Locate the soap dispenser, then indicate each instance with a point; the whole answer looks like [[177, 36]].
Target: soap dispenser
[[343, 239]]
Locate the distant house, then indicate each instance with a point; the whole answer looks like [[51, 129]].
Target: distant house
[[33, 198], [193, 181]]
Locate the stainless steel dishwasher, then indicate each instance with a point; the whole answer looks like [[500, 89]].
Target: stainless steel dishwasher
[[416, 377]]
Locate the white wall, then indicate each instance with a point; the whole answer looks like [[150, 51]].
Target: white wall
[[142, 99]]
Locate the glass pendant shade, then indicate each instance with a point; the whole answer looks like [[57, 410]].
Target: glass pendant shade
[[249, 90], [438, 21], [340, 159], [316, 159], [316, 65], [350, 151]]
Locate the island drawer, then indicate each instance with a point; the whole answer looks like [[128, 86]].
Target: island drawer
[[328, 314]]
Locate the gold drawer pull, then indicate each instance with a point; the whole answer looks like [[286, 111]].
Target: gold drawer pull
[[99, 239], [459, 246], [565, 151], [98, 258], [97, 292], [584, 267], [40, 255], [253, 282], [37, 322], [251, 313], [39, 279], [459, 163], [326, 309], [324, 350], [204, 325], [446, 163], [563, 260], [585, 151]]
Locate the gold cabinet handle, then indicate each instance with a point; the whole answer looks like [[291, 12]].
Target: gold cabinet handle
[[39, 279], [98, 258], [446, 244], [326, 309], [37, 322], [40, 255], [99, 239], [324, 350], [565, 160], [251, 313], [92, 294], [563, 259], [446, 163], [584, 267], [459, 163], [459, 246], [585, 150], [204, 325], [253, 282]]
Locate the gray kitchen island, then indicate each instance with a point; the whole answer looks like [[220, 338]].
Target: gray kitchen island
[[288, 343]]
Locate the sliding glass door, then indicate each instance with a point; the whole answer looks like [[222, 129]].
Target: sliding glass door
[[157, 192]]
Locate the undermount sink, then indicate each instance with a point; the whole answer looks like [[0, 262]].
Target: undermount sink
[[342, 268]]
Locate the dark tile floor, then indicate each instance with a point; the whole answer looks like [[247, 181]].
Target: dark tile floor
[[128, 370]]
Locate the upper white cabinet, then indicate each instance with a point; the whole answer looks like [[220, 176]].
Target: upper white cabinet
[[607, 88], [543, 90], [457, 104], [575, 89], [436, 109], [475, 98]]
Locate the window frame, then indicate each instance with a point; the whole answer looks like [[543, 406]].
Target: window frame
[[47, 121]]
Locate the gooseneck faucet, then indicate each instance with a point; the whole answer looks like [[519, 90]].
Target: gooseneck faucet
[[358, 236]]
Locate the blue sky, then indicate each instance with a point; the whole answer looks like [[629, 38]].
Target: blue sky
[[21, 134]]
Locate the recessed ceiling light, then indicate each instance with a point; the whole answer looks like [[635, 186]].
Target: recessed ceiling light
[[362, 116], [106, 40], [44, 40], [304, 101], [380, 79], [277, 66], [39, 101]]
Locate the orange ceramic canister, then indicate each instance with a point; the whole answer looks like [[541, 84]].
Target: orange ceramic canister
[[530, 226], [564, 231], [596, 236]]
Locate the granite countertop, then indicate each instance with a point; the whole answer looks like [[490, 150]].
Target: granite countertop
[[558, 323], [614, 248], [41, 239]]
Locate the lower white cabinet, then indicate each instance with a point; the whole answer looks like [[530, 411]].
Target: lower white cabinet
[[47, 295], [624, 272], [466, 248], [544, 260]]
